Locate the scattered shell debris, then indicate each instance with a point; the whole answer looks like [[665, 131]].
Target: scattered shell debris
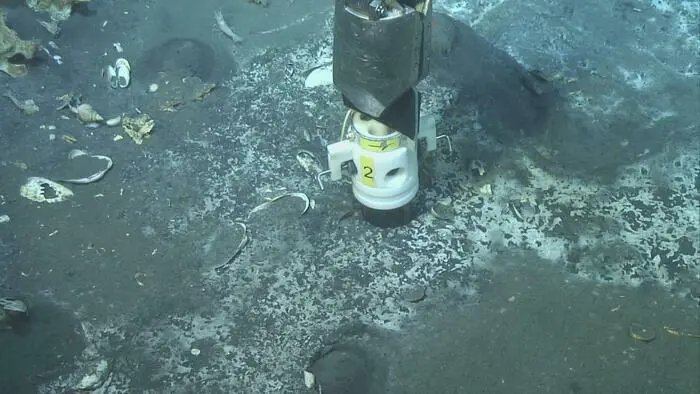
[[27, 106], [225, 28], [44, 190], [69, 138], [243, 242], [641, 333], [91, 178], [138, 127], [267, 204], [309, 162], [95, 378], [680, 333]]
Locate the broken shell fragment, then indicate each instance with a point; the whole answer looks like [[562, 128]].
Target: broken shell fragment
[[44, 190], [641, 333], [319, 76], [308, 161], [27, 106], [266, 204], [116, 121], [87, 114], [76, 153], [241, 244], [95, 176]]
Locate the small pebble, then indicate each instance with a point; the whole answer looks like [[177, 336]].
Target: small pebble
[[195, 352]]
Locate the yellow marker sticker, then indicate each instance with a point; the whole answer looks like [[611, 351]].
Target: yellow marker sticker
[[386, 145], [367, 171]]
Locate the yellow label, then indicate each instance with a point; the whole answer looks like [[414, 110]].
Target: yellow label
[[386, 145], [367, 171]]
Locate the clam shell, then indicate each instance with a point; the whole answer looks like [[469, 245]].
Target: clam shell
[[87, 114], [123, 72]]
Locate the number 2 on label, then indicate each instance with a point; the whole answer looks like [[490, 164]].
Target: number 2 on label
[[367, 171]]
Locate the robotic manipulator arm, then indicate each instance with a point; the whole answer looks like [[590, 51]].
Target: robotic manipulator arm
[[381, 52]]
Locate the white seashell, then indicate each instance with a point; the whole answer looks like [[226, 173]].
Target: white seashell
[[116, 121], [76, 153], [35, 189], [123, 70], [226, 29], [152, 88], [321, 76], [267, 204], [112, 76], [87, 114]]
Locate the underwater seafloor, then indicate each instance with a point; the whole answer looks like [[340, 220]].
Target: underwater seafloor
[[578, 230]]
